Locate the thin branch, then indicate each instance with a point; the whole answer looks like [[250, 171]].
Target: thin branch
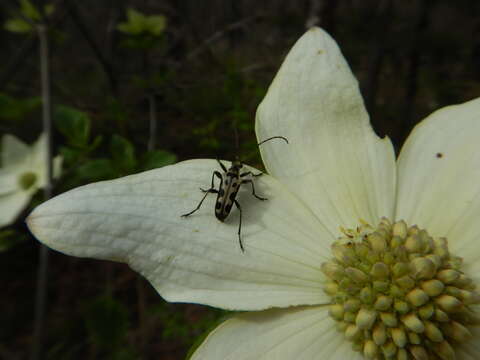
[[219, 34], [106, 65], [313, 18], [28, 46], [152, 102], [17, 61], [383, 18], [41, 293], [142, 313], [414, 63]]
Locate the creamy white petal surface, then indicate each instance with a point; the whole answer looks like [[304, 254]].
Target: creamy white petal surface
[[38, 160], [17, 160], [136, 219], [439, 177], [300, 333], [8, 180], [11, 205], [13, 151], [335, 162]]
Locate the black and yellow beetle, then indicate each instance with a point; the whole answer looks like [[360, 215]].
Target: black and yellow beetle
[[230, 182]]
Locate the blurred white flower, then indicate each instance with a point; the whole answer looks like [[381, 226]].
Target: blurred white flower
[[23, 171], [334, 267]]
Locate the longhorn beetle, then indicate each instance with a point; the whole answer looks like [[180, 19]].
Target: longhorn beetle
[[230, 182]]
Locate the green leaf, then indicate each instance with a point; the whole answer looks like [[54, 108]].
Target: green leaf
[[17, 25], [73, 124], [124, 27], [70, 155], [135, 24], [142, 27], [115, 111], [29, 104], [96, 170], [135, 17], [49, 9], [29, 10], [17, 109], [95, 143], [123, 154], [157, 158], [156, 24]]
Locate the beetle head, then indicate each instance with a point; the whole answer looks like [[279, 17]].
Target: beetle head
[[237, 164]]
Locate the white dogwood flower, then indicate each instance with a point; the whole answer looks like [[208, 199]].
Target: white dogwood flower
[[23, 171], [354, 254]]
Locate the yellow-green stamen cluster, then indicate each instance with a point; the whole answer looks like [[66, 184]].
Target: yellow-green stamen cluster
[[397, 293], [27, 180]]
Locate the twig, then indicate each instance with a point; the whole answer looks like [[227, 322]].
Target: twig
[[41, 294], [152, 136], [106, 65], [313, 17], [384, 19], [17, 61], [414, 64], [142, 313], [254, 67], [152, 102], [219, 34], [29, 45]]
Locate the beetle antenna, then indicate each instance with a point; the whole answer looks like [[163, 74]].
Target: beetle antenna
[[237, 146], [273, 137]]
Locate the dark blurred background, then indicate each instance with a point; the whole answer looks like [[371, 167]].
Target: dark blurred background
[[198, 77]]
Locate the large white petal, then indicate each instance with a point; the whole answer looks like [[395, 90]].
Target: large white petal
[[40, 169], [301, 333], [136, 219], [39, 149], [9, 179], [11, 205], [335, 162], [13, 151], [439, 177], [38, 159]]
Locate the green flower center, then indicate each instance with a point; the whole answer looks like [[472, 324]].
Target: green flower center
[[27, 180], [397, 293]]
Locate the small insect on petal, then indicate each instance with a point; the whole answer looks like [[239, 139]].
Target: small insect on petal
[[230, 182]]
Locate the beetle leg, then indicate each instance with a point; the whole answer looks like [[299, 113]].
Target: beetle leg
[[239, 225], [250, 173], [253, 189], [201, 201], [217, 174], [208, 191], [222, 166]]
